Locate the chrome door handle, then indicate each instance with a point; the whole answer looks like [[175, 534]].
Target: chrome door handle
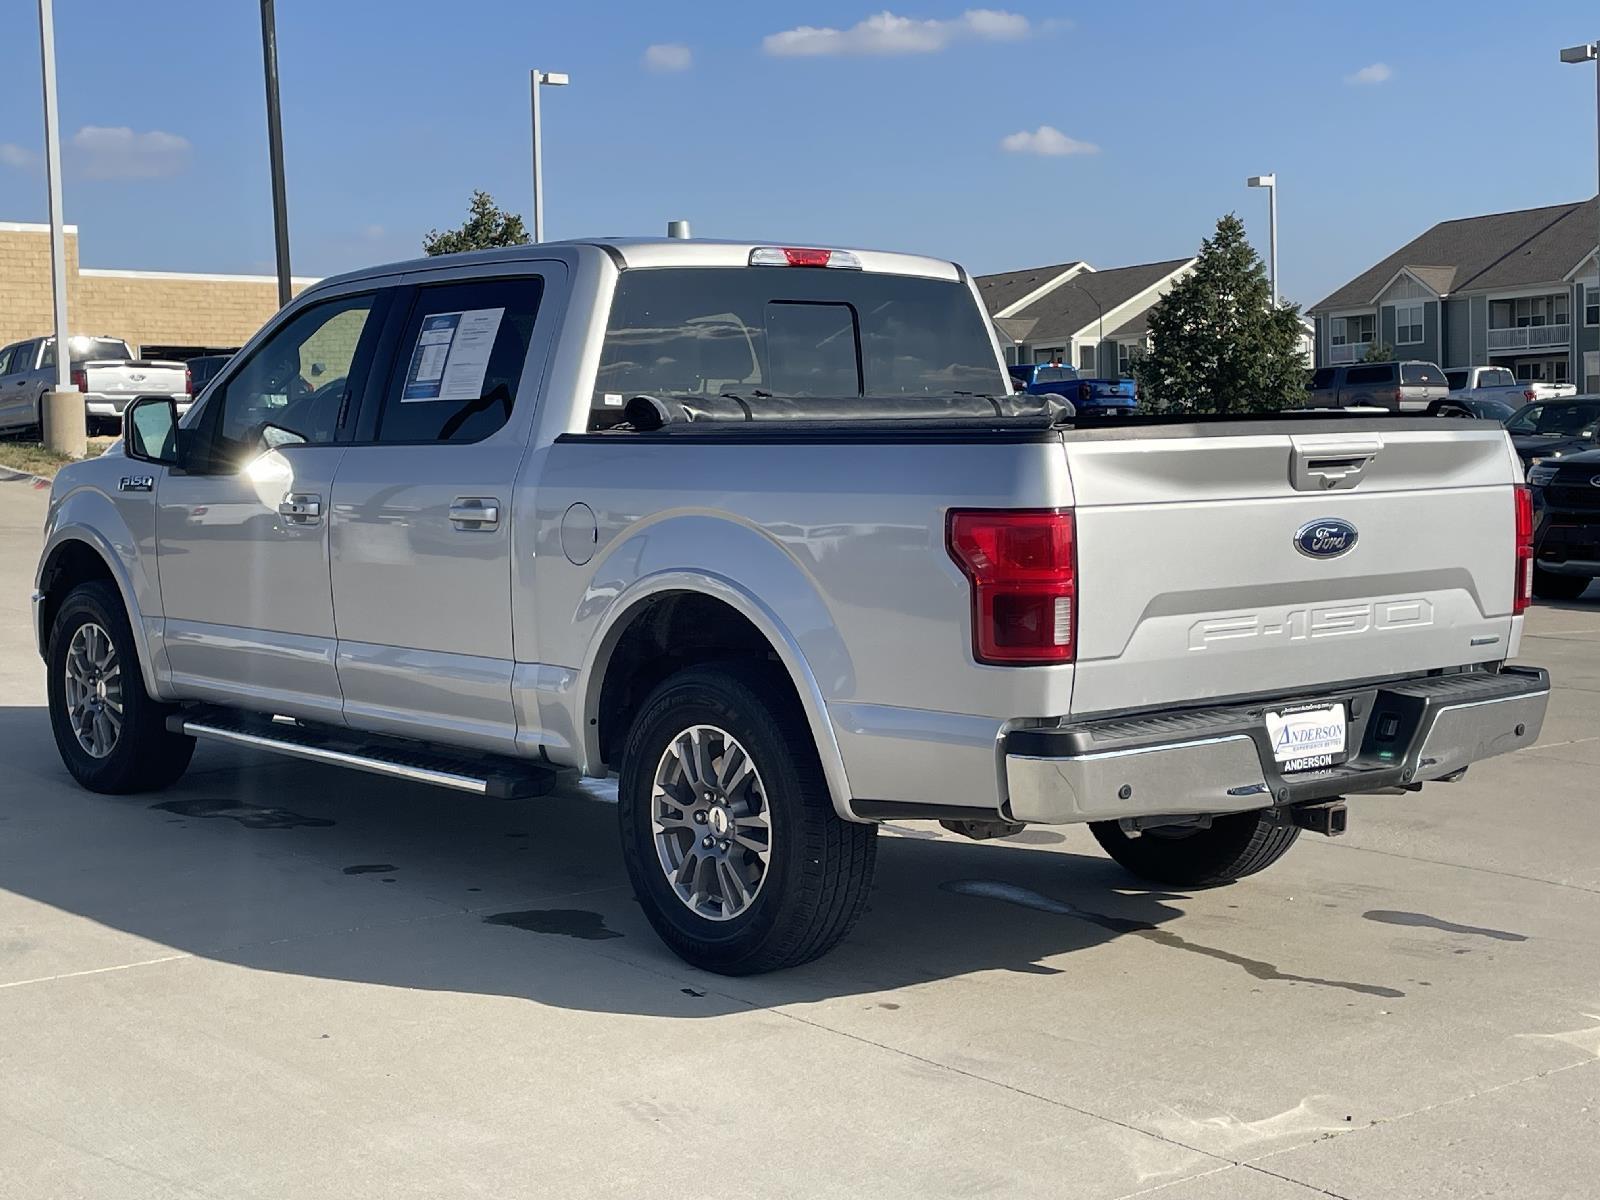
[[475, 512], [301, 508]]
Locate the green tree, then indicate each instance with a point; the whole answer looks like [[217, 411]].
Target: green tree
[[487, 225], [1216, 343], [1378, 352]]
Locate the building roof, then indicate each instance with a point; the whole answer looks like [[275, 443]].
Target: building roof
[[1007, 288], [1500, 250], [1069, 309]]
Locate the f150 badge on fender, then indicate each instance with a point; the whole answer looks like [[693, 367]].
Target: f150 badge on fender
[[1327, 538]]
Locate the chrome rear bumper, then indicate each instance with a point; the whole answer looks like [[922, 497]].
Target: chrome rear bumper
[[1218, 760]]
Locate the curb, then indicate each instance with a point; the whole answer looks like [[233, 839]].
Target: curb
[[7, 475]]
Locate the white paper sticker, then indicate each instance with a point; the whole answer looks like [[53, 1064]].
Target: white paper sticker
[[1307, 733], [451, 356]]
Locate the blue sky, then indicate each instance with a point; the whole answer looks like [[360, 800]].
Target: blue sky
[[1131, 126]]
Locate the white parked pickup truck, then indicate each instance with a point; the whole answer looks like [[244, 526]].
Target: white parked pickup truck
[[763, 531], [104, 369], [1498, 383]]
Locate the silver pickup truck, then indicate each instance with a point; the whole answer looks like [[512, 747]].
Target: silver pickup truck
[[763, 531], [104, 369]]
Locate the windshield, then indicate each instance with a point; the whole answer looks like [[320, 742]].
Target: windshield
[[762, 332], [1556, 420]]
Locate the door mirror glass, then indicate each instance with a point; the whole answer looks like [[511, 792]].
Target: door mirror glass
[[150, 430]]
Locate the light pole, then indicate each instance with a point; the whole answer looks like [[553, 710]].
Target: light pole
[[280, 203], [61, 414], [1101, 312], [1270, 182], [1590, 52], [536, 80]]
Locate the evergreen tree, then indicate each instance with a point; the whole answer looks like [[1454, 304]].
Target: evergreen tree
[[1216, 343], [487, 225]]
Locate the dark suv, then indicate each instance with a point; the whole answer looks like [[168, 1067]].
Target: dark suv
[[1397, 386], [1566, 529]]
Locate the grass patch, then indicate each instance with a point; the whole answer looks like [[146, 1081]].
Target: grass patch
[[32, 458]]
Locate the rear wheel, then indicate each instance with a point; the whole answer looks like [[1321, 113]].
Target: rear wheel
[[729, 836], [1234, 846], [112, 736], [1549, 586]]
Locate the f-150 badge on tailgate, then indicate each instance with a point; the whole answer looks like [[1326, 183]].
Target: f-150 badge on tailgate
[[1327, 538]]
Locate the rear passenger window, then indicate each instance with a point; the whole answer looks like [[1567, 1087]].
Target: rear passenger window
[[1456, 379], [1362, 376], [1322, 377], [459, 360], [1422, 373]]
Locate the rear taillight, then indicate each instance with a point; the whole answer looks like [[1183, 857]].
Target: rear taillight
[[188, 380], [1398, 396], [1023, 568], [1522, 594], [1530, 395], [80, 379]]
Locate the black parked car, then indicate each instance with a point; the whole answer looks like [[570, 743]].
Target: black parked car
[[1549, 429], [1566, 524], [204, 369], [1477, 408]]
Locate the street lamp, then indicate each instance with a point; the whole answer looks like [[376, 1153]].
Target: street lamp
[[280, 205], [1590, 52], [1270, 182], [536, 80], [1101, 313]]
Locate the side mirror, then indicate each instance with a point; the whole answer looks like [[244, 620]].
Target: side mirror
[[150, 430]]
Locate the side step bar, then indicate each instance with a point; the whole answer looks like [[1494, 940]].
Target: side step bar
[[488, 775]]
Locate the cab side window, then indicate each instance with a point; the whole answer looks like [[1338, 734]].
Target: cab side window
[[298, 386], [458, 364]]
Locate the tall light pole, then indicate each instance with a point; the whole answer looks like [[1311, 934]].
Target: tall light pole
[[62, 413], [1101, 312], [1270, 182], [536, 80], [280, 204], [1590, 52]]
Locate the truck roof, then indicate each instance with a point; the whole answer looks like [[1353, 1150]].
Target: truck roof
[[643, 253]]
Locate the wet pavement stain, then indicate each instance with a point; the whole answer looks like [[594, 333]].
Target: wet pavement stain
[[251, 816], [1036, 837], [369, 868], [1027, 898], [568, 922], [1423, 921]]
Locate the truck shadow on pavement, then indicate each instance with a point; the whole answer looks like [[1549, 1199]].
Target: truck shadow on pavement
[[280, 866]]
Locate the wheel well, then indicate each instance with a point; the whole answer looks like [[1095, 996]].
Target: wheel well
[[668, 633], [70, 564]]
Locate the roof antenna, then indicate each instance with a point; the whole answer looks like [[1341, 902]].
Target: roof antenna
[[678, 229]]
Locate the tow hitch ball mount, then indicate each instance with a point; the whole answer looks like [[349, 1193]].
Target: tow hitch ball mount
[[1328, 819]]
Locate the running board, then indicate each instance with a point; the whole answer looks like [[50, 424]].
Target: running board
[[487, 775]]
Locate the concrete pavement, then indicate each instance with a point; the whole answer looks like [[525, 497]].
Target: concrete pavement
[[281, 981]]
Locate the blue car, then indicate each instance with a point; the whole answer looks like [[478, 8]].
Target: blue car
[[1091, 397]]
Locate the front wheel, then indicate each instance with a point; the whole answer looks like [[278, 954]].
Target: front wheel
[[112, 736], [1232, 847], [1549, 586], [728, 833]]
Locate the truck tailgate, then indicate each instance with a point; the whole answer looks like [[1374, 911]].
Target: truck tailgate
[[1192, 583], [134, 379]]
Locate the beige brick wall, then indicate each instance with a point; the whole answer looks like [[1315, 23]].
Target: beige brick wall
[[142, 308]]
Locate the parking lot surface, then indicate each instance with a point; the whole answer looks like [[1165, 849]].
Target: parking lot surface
[[279, 980]]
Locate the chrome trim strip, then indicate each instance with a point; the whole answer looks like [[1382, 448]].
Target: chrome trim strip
[[1103, 755], [359, 762], [1446, 708]]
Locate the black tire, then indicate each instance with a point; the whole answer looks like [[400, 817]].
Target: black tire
[[820, 866], [145, 757], [1234, 846], [1549, 586]]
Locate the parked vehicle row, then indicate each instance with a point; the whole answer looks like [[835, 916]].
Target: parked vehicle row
[[1566, 494], [751, 526], [104, 369], [1090, 397]]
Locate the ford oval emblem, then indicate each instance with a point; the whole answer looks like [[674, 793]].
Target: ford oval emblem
[[1327, 538]]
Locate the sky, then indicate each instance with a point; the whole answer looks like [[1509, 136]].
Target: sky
[[1003, 137]]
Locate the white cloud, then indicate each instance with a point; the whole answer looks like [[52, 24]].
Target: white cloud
[[13, 155], [1376, 73], [668, 56], [886, 33], [117, 152], [1046, 140]]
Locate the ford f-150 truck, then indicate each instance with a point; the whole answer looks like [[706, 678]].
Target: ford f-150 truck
[[103, 369], [763, 531], [1498, 383], [1090, 397]]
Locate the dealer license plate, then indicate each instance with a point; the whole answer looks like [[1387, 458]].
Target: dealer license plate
[[1306, 738]]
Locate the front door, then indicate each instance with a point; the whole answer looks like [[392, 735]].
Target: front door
[[243, 529], [421, 515], [16, 394]]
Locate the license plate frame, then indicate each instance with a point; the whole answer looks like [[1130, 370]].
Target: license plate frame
[[1308, 737]]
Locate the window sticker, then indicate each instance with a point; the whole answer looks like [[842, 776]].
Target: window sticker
[[451, 356]]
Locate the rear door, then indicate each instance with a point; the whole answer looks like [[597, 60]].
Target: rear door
[[421, 515], [16, 394], [1202, 574]]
